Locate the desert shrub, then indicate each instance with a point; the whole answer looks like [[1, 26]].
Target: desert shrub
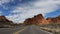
[[57, 32]]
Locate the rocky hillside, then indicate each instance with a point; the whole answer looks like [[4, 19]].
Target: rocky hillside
[[39, 19], [54, 20], [4, 21]]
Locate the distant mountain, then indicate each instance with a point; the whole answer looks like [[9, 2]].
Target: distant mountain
[[4, 21]]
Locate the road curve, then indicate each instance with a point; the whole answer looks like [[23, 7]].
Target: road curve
[[33, 30]]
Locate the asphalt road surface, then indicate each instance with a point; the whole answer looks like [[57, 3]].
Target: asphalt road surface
[[10, 30], [32, 29]]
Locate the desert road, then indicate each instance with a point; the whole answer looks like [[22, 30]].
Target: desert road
[[32, 29]]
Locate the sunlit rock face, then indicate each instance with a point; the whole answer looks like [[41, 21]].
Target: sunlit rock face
[[40, 20], [54, 20], [44, 21], [37, 19]]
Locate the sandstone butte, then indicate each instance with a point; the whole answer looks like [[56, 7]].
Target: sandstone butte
[[39, 19]]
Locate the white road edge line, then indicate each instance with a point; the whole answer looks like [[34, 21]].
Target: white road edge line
[[46, 31]]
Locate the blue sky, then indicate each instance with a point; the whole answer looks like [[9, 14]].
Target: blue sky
[[53, 14], [19, 10]]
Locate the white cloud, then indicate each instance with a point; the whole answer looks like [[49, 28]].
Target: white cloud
[[0, 13], [4, 1], [37, 7]]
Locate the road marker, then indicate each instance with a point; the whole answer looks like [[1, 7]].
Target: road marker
[[18, 31]]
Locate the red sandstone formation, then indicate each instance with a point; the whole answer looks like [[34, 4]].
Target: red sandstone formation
[[38, 19], [54, 20], [4, 21]]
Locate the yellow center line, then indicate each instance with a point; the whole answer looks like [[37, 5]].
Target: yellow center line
[[19, 31]]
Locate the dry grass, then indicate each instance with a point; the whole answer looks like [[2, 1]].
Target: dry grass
[[53, 30]]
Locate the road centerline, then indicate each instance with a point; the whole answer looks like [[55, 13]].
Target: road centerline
[[19, 31]]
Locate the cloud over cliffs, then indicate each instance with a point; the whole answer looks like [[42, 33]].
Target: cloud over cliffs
[[29, 8]]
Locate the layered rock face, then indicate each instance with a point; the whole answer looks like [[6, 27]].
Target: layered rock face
[[4, 21], [54, 20], [38, 19]]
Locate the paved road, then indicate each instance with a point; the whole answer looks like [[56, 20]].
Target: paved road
[[32, 29], [10, 30]]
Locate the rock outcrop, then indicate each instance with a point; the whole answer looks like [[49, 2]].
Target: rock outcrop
[[4, 21], [54, 20], [38, 19]]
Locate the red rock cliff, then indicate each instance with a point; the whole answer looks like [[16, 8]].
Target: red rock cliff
[[3, 20], [38, 19], [54, 20]]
